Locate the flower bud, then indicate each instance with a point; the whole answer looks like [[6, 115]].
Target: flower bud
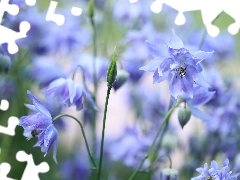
[[112, 71], [169, 174], [183, 116], [5, 63], [122, 77], [91, 9]]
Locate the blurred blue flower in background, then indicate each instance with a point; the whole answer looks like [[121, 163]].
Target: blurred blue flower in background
[[75, 167], [174, 62], [39, 124], [85, 60], [127, 13], [68, 92], [7, 87], [71, 36], [45, 70], [136, 39], [222, 51], [130, 148]]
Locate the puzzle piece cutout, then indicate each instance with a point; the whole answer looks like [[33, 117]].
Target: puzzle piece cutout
[[76, 11], [31, 171], [12, 121], [59, 19], [7, 35], [209, 10], [12, 9], [51, 16], [4, 170], [10, 130], [4, 105], [30, 2]]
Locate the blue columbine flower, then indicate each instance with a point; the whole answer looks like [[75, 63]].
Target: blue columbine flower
[[39, 124], [68, 92], [177, 64], [214, 173]]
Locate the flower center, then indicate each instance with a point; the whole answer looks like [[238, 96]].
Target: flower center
[[212, 177], [35, 132], [181, 71]]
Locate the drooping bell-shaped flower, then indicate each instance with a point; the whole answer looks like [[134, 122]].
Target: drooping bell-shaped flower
[[68, 92], [39, 124]]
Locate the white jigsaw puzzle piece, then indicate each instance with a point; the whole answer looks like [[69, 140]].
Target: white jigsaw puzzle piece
[[9, 36], [12, 9], [31, 171], [209, 10], [4, 170], [76, 11], [10, 130], [30, 2], [51, 16]]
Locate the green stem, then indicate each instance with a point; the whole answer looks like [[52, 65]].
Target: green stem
[[160, 141], [169, 158], [83, 75], [103, 131], [139, 167], [166, 118], [83, 132]]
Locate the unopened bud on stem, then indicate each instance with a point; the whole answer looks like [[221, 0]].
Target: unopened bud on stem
[[91, 9], [183, 116], [112, 71]]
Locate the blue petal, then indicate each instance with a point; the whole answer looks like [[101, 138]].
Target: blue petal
[[50, 138], [38, 105], [31, 107], [89, 98], [187, 85], [175, 86], [199, 114], [152, 66], [202, 55], [201, 96], [40, 141], [225, 163], [54, 85], [79, 104], [72, 89], [36, 121], [201, 81], [175, 41], [157, 78], [214, 165], [158, 50]]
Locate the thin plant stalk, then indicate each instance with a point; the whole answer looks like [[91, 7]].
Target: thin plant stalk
[[84, 136], [166, 118], [103, 132]]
